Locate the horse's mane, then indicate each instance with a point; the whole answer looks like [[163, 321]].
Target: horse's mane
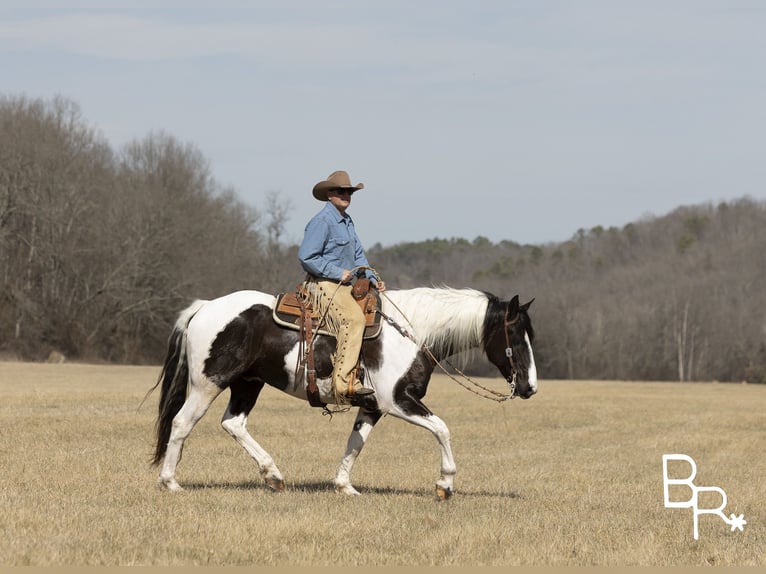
[[447, 320]]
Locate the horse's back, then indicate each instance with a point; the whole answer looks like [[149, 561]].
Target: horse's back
[[216, 314]]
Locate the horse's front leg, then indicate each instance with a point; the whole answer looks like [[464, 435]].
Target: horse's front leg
[[363, 425], [445, 484]]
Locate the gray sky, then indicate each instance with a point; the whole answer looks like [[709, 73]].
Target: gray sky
[[521, 120]]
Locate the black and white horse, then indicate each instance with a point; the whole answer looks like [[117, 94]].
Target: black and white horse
[[233, 342]]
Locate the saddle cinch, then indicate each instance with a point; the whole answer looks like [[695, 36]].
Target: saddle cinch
[[288, 309]]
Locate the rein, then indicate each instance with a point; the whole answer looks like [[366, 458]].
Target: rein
[[493, 395], [496, 396]]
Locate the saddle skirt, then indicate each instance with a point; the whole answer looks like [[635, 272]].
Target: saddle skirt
[[287, 313]]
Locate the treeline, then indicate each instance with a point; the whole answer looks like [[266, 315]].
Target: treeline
[[100, 248], [677, 297]]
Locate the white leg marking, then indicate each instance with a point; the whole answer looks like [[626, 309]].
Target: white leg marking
[[438, 428], [362, 428], [236, 426], [193, 410]]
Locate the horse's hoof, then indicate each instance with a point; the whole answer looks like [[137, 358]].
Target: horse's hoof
[[443, 493], [346, 489], [169, 484], [275, 484]]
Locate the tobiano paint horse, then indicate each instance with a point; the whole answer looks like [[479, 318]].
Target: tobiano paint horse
[[234, 343]]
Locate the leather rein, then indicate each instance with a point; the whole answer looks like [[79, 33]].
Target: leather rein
[[495, 396]]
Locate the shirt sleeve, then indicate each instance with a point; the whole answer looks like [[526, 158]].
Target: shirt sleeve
[[311, 251]]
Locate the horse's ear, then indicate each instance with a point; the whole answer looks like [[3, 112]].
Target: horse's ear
[[527, 305], [513, 308]]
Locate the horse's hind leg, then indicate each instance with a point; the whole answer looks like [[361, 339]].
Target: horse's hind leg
[[196, 405], [365, 421], [234, 421]]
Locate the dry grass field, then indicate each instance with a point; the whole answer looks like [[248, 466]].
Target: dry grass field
[[571, 477]]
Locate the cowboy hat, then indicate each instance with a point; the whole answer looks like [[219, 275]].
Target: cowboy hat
[[336, 180]]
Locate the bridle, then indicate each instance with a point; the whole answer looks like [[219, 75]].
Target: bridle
[[509, 354]]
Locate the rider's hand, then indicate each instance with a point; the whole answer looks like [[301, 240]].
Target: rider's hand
[[380, 286], [346, 276]]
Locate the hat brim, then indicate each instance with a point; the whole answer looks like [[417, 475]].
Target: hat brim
[[321, 189]]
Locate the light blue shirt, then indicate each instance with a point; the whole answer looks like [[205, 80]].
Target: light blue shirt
[[330, 245]]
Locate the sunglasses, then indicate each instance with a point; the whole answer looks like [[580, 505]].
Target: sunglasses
[[348, 192]]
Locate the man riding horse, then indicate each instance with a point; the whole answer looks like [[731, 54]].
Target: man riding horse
[[329, 253]]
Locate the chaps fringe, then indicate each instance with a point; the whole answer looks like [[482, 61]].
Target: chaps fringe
[[321, 305]]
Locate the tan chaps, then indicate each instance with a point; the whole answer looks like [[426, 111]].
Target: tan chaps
[[342, 317]]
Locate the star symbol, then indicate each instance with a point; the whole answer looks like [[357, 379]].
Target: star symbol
[[737, 522]]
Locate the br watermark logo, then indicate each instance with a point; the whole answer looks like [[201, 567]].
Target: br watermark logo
[[736, 522]]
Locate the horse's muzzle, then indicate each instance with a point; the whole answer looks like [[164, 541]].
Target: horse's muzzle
[[525, 393]]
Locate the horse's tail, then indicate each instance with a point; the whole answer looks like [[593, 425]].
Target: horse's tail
[[174, 378]]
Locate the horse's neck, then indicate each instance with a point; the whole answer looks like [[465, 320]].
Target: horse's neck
[[449, 321]]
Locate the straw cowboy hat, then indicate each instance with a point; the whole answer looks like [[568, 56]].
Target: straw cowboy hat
[[336, 180]]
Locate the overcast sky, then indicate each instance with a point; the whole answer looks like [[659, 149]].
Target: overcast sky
[[521, 120]]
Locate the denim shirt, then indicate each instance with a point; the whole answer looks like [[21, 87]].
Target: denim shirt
[[330, 245]]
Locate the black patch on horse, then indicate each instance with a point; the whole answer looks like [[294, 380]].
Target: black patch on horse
[[410, 389], [239, 349]]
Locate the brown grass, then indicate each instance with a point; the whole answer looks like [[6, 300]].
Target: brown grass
[[570, 477]]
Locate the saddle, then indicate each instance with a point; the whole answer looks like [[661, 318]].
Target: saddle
[[293, 311], [288, 309]]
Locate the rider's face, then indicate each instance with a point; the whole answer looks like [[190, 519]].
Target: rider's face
[[340, 198]]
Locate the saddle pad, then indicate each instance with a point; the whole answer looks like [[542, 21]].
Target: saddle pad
[[287, 312]]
